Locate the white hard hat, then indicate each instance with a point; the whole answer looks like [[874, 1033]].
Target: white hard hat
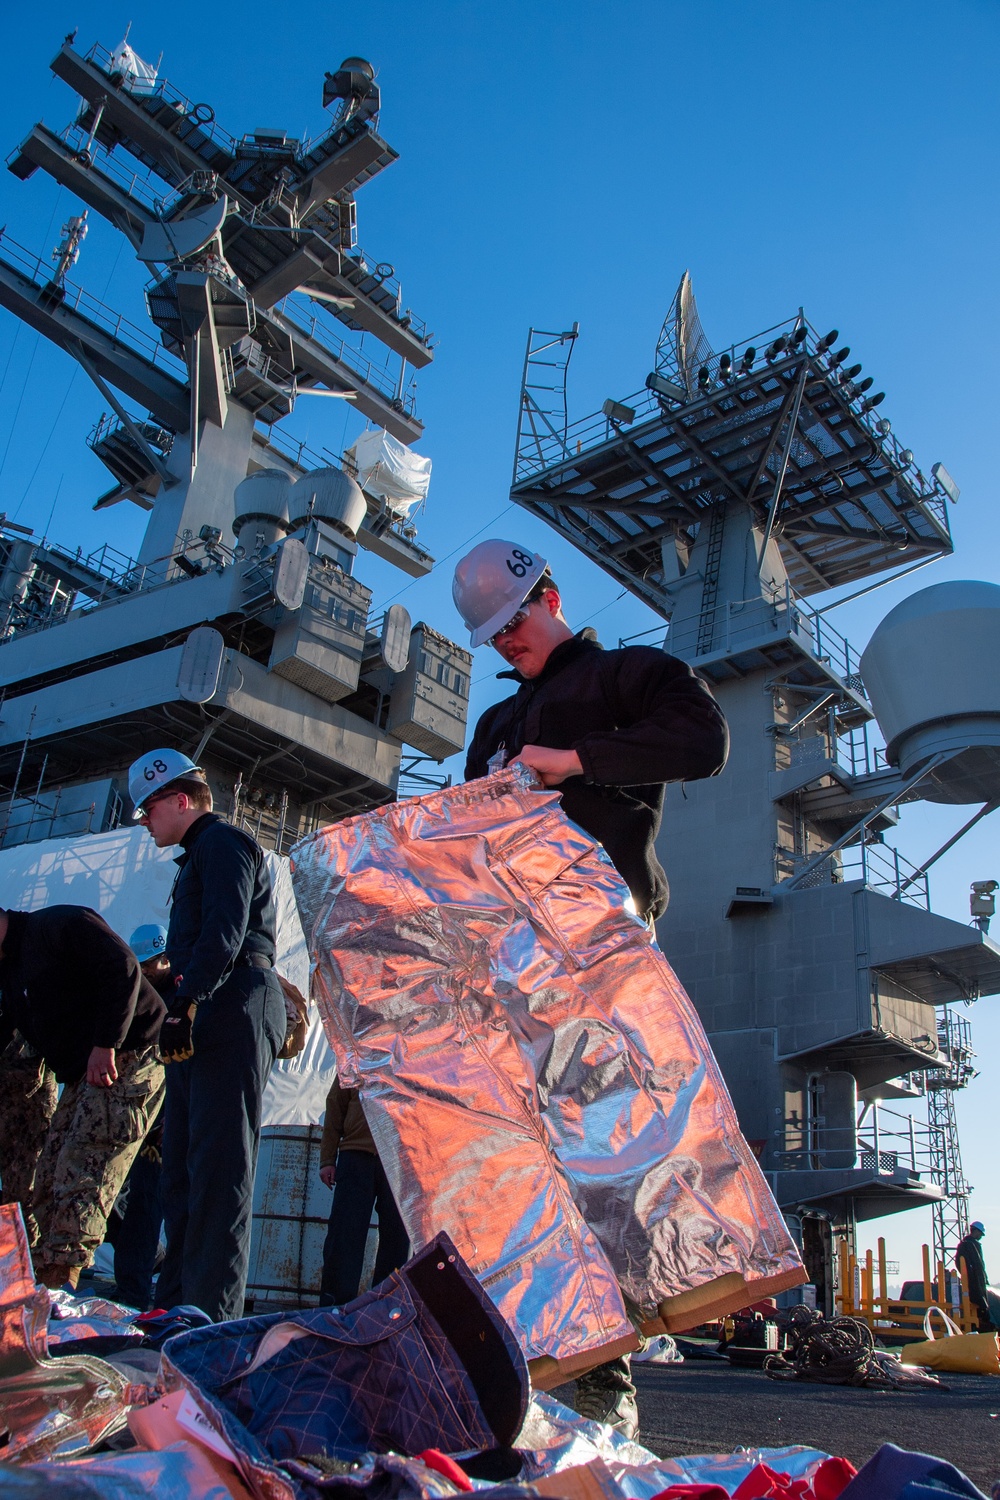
[[153, 770], [491, 583], [148, 941]]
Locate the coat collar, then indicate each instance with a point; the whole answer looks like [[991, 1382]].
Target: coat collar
[[194, 832], [578, 645]]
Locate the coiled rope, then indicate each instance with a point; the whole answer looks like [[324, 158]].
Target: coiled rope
[[835, 1351]]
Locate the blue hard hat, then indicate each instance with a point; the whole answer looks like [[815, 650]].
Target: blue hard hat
[[148, 941], [154, 770], [978, 1224]]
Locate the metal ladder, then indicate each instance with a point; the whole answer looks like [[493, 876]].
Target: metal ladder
[[710, 587]]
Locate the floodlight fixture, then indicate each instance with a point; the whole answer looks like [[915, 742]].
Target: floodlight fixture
[[828, 340], [841, 355], [778, 347], [883, 427], [618, 412], [799, 334], [661, 386], [944, 479], [704, 377], [726, 366], [854, 370], [873, 401], [906, 455], [746, 363], [866, 384]]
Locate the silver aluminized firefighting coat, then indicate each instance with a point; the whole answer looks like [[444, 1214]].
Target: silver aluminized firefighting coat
[[537, 1081]]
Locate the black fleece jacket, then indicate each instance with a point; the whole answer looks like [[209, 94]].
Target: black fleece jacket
[[637, 718], [222, 910], [69, 984]]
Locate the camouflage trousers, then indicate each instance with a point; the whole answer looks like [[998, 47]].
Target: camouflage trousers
[[92, 1142], [28, 1096]]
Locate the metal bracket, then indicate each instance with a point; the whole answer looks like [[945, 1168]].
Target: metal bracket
[[859, 827], [133, 431], [785, 456]]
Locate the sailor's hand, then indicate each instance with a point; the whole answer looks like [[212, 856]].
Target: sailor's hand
[[175, 1033], [101, 1070], [550, 766], [328, 1176]]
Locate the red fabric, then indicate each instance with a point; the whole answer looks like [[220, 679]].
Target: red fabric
[[830, 1480], [692, 1492], [435, 1459]]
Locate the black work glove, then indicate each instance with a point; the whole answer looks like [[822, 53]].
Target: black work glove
[[175, 1033]]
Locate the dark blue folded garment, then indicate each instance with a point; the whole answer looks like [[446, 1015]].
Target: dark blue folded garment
[[157, 1327], [896, 1474], [422, 1361]]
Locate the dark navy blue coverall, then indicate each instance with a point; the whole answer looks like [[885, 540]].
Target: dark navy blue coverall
[[220, 942]]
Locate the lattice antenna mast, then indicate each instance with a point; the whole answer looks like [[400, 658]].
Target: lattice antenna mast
[[544, 413], [951, 1213]]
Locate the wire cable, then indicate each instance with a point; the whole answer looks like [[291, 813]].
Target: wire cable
[[440, 560]]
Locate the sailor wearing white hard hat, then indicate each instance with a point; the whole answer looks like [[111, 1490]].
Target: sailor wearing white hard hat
[[492, 584], [225, 1023], [609, 729], [155, 771]]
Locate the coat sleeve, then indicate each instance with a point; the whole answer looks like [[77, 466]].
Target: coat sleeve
[[333, 1124], [228, 871], [482, 745], [110, 972], [669, 726]]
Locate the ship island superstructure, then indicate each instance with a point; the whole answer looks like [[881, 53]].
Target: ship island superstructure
[[240, 633], [733, 487]]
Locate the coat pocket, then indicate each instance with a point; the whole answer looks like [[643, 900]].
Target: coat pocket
[[571, 889]]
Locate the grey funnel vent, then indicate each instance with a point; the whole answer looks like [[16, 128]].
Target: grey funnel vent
[[262, 500], [327, 495]]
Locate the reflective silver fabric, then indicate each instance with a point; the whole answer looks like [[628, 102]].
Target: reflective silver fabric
[[50, 1407], [554, 1438], [72, 1317], [535, 1077]]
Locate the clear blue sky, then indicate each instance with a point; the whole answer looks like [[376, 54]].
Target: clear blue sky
[[567, 161]]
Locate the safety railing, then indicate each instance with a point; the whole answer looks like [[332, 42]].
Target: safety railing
[[39, 271], [864, 1293], [540, 450], [301, 313], [358, 263], [202, 115], [138, 184], [736, 623], [879, 867], [108, 425]]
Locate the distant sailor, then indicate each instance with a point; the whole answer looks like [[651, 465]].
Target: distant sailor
[[970, 1254]]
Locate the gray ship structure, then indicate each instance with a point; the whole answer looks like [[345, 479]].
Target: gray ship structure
[[736, 485], [240, 633]]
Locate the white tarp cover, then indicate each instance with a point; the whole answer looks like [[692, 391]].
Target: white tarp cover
[[390, 471], [125, 877], [139, 77]]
